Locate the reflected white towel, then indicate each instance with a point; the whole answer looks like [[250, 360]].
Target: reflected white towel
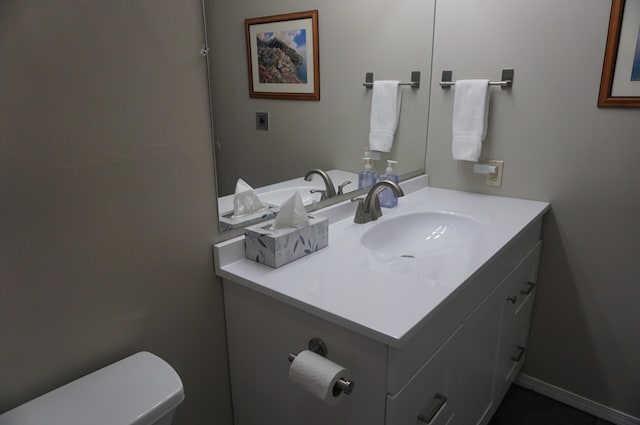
[[470, 118], [385, 112]]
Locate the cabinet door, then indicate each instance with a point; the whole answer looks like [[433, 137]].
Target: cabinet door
[[517, 295], [430, 396], [480, 344]]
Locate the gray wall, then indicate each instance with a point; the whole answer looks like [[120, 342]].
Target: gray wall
[[107, 198], [557, 146], [355, 37], [107, 209]]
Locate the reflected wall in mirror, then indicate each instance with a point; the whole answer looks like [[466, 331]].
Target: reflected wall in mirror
[[355, 37]]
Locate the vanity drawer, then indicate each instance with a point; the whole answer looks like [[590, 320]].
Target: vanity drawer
[[520, 284], [430, 396]]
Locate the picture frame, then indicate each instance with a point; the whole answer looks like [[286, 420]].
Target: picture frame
[[283, 57], [620, 82]]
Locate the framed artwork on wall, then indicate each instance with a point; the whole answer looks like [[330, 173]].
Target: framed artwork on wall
[[283, 57], [620, 83]]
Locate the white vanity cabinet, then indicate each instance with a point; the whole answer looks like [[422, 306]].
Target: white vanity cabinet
[[454, 369], [436, 338]]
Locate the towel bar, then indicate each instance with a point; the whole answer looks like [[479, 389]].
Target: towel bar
[[507, 79], [415, 80]]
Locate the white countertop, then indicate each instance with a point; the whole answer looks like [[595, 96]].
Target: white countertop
[[384, 298]]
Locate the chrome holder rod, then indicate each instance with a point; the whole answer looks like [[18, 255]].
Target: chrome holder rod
[[447, 84], [342, 385], [318, 346], [507, 80], [414, 84]]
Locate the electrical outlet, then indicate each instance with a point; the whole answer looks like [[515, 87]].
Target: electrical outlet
[[494, 179], [262, 121]]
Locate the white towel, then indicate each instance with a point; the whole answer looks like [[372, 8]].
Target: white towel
[[470, 116], [385, 112]]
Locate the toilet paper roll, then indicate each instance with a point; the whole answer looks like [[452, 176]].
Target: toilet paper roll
[[317, 375]]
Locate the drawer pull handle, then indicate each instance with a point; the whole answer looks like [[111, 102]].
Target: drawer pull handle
[[513, 299], [518, 357], [529, 290], [441, 400]]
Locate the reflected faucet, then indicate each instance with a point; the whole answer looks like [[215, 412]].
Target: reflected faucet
[[330, 190], [369, 207]]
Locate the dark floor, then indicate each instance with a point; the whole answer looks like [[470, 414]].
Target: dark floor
[[524, 407]]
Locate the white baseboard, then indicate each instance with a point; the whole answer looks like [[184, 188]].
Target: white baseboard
[[563, 396]]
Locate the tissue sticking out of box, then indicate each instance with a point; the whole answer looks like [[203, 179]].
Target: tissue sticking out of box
[[292, 214], [245, 200]]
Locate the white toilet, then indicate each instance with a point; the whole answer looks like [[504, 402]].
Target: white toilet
[[139, 390]]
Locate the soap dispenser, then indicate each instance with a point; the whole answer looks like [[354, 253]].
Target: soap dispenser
[[367, 177], [387, 198]]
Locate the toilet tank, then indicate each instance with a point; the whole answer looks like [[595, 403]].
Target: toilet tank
[[139, 390]]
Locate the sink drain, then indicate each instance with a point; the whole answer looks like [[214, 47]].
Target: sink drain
[[407, 256]]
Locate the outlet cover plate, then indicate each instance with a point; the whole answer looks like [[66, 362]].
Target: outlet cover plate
[[262, 121], [494, 179]]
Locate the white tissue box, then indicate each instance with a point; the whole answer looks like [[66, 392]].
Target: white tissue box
[[276, 248]]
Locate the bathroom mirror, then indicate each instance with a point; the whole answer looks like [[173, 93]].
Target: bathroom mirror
[[389, 39]]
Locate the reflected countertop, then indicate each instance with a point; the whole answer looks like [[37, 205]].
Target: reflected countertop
[[275, 194]]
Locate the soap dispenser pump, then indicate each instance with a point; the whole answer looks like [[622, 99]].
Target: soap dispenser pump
[[387, 198], [367, 177]]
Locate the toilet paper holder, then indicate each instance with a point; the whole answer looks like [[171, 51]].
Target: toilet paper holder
[[318, 346]]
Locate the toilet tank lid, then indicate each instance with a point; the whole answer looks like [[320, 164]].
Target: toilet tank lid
[[134, 391]]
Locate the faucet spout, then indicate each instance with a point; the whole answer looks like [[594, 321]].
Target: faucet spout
[[330, 190], [369, 207]]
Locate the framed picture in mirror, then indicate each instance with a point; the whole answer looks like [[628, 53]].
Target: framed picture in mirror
[[283, 57], [620, 83]]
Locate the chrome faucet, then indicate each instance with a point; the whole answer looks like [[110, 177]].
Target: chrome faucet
[[330, 190], [369, 207]]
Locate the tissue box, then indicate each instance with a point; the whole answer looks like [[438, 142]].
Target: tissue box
[[276, 248]]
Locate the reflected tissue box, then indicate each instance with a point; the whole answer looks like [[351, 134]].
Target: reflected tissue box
[[276, 248]]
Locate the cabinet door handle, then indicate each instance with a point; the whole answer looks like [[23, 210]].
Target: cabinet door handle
[[529, 290], [518, 357], [440, 402]]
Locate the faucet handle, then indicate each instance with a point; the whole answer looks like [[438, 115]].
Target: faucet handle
[[341, 187], [361, 216]]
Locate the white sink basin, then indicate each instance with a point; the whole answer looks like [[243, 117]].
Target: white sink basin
[[278, 196], [420, 234]]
